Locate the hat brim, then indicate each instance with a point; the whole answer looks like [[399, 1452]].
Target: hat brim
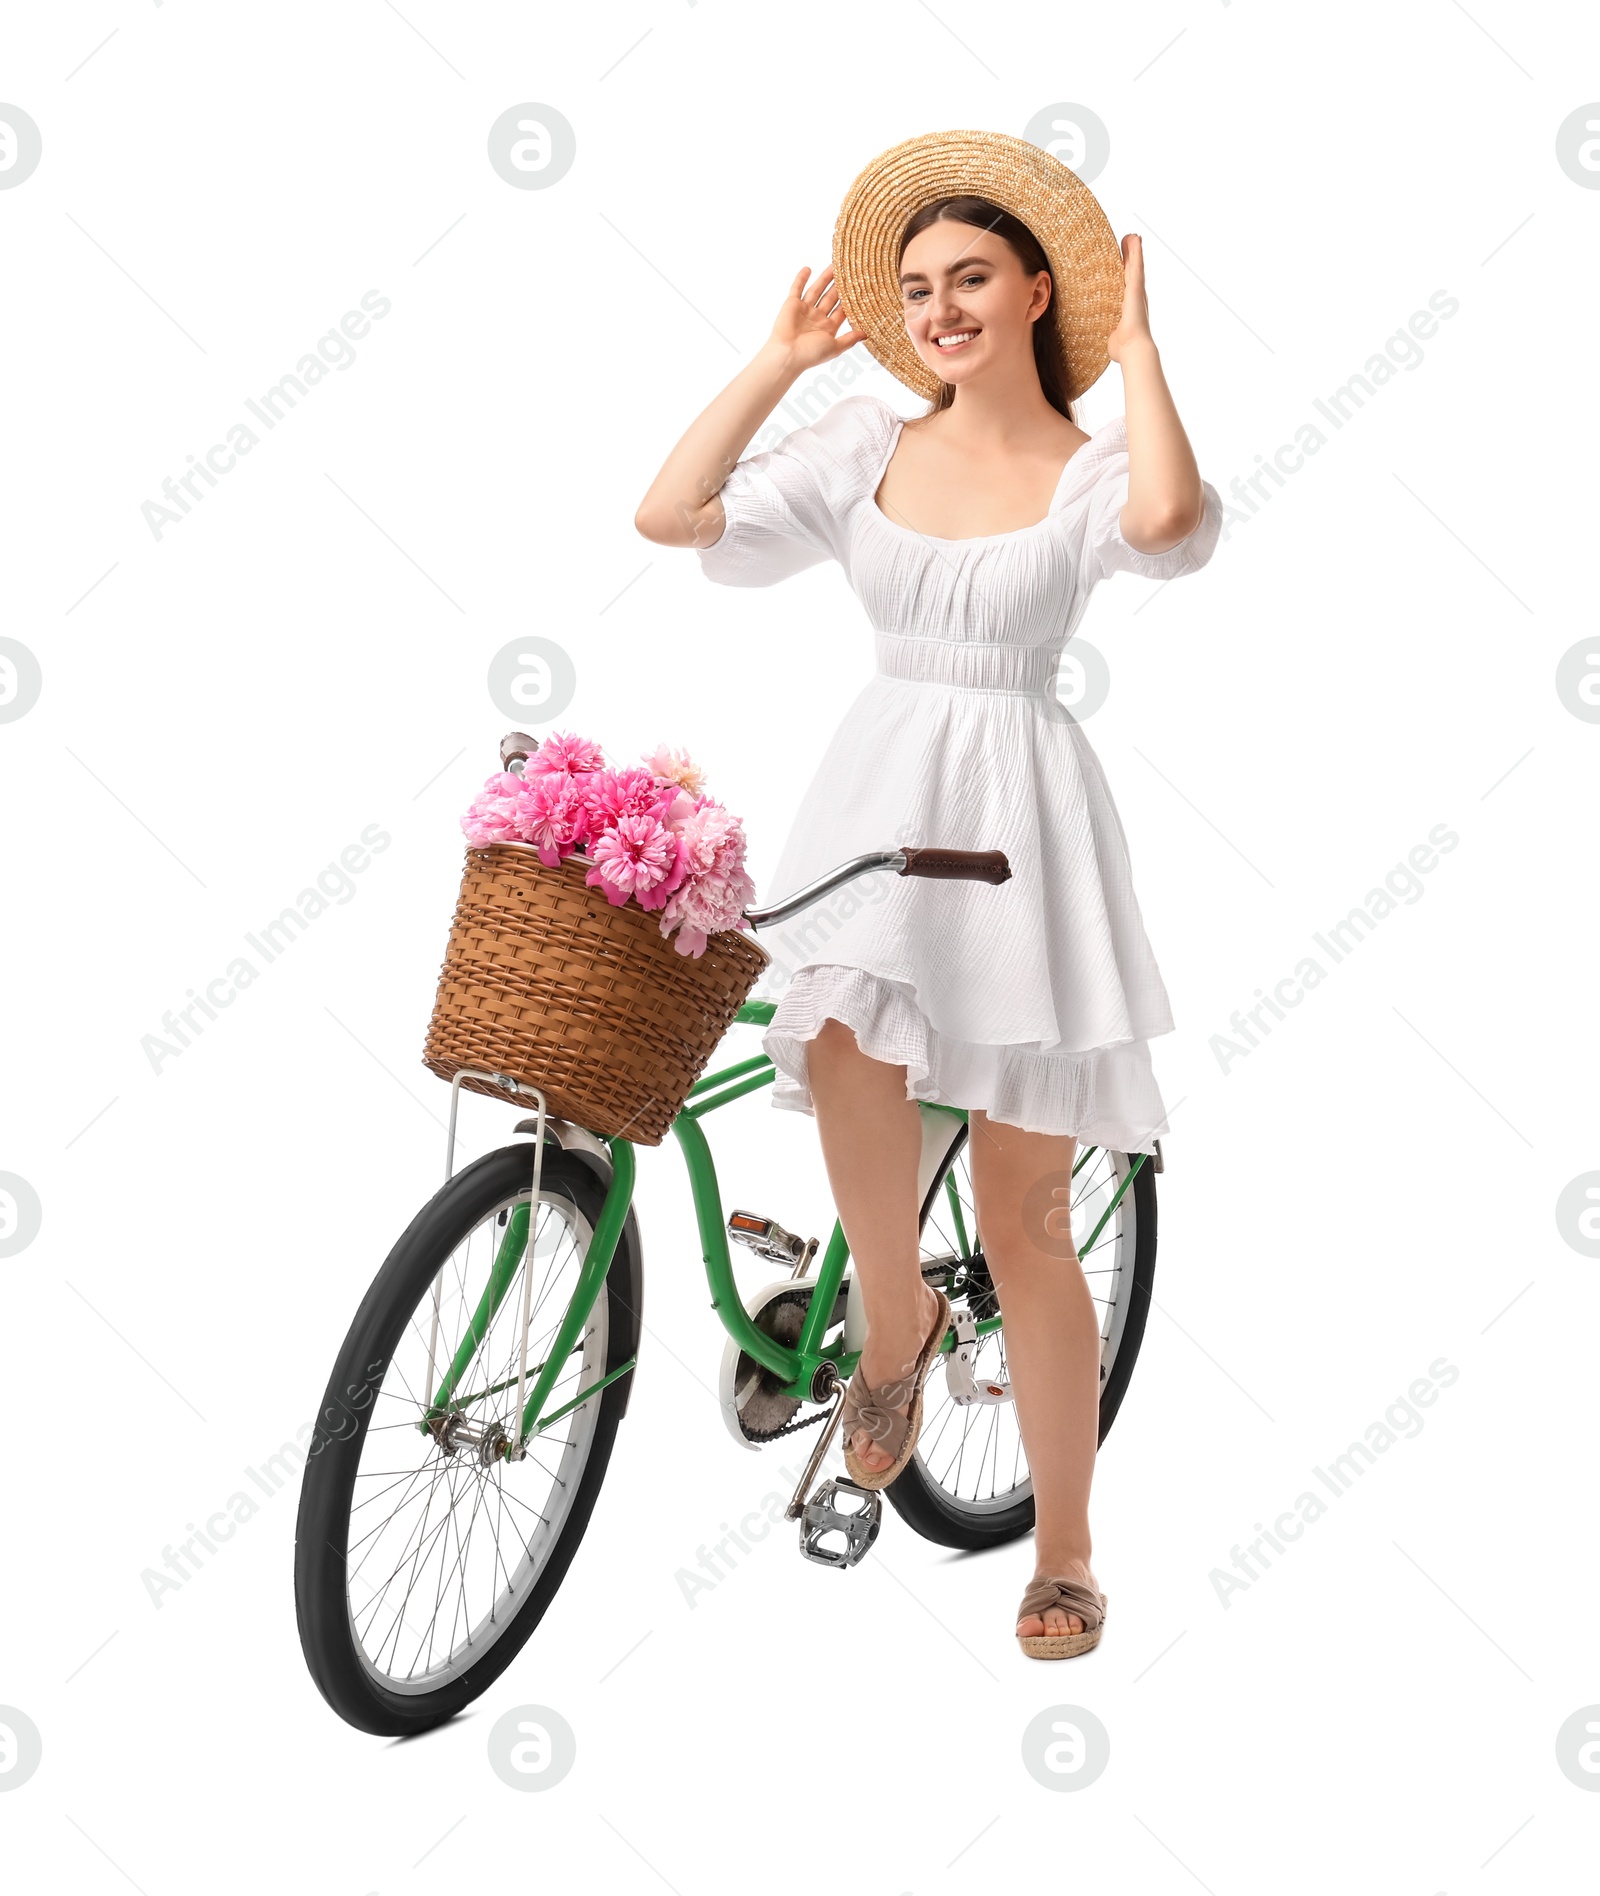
[[1050, 198]]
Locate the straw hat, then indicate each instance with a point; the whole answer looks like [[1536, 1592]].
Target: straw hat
[[1053, 201]]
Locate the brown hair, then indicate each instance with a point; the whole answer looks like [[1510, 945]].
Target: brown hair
[[1047, 350]]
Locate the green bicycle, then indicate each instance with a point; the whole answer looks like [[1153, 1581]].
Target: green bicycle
[[469, 1419]]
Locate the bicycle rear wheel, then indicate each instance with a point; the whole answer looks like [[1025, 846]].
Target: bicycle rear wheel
[[423, 1558], [968, 1484]]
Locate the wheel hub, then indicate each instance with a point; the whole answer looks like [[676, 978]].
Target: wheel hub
[[454, 1433]]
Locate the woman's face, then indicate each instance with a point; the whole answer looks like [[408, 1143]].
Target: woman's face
[[966, 284]]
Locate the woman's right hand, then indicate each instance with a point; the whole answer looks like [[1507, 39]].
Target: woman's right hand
[[681, 507], [807, 329]]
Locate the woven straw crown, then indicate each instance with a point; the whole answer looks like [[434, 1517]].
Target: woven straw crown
[[1052, 200]]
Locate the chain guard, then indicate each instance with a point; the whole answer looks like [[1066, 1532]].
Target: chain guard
[[753, 1403]]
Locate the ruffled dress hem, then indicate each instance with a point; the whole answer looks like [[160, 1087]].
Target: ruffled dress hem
[[1107, 1093]]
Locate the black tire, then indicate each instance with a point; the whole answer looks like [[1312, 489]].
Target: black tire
[[915, 1494], [342, 1672]]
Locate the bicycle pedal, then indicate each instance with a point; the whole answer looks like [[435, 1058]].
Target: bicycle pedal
[[858, 1523], [963, 1385], [768, 1239]]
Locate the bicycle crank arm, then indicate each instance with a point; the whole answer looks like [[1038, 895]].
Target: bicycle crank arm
[[857, 1523], [830, 1428]]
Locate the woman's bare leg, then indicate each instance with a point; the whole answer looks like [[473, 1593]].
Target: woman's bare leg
[[1022, 1184], [871, 1137]]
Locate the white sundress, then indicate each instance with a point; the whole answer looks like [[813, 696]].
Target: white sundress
[[1036, 999]]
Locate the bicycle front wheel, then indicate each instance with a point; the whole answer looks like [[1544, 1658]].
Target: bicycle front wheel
[[968, 1484], [423, 1558]]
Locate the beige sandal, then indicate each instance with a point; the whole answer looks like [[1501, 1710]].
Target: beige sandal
[[1072, 1597], [878, 1411]]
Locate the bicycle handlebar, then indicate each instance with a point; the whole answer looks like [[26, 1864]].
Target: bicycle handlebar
[[958, 865], [951, 865]]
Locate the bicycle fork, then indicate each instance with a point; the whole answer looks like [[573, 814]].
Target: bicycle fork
[[516, 1251]]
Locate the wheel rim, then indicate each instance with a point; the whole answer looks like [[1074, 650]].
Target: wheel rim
[[972, 1453], [444, 1549]]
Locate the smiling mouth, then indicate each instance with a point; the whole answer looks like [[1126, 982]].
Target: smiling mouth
[[954, 340]]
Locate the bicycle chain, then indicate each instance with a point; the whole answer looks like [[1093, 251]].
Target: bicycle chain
[[789, 1428]]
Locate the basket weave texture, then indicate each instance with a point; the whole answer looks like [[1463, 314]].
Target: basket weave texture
[[548, 982]]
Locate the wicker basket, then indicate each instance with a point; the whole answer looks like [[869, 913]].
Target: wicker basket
[[548, 982]]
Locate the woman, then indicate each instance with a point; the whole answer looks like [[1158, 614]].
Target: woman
[[983, 274]]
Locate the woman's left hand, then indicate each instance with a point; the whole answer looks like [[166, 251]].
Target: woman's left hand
[[1165, 499], [1133, 325]]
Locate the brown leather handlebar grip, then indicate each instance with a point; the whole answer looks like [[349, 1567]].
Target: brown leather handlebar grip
[[515, 746], [958, 865]]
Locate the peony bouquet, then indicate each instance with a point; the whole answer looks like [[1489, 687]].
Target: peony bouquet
[[649, 834]]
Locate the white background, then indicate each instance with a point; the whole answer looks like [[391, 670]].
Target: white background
[[225, 708]]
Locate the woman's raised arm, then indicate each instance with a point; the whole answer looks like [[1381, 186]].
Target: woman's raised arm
[[1165, 503], [682, 507]]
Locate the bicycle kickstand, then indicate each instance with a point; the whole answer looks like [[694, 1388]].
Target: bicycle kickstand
[[857, 1522]]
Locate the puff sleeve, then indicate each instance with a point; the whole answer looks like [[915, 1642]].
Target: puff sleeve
[[784, 508], [1107, 552]]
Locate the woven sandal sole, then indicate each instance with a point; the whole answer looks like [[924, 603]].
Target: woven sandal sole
[[1059, 1645], [858, 1472]]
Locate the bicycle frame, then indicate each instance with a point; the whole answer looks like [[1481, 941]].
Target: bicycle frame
[[800, 1366]]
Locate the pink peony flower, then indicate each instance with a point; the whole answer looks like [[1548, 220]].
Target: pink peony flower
[[632, 857], [562, 753], [715, 891], [553, 815], [492, 815], [715, 837], [676, 767], [654, 898], [681, 806], [610, 795], [699, 910]]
